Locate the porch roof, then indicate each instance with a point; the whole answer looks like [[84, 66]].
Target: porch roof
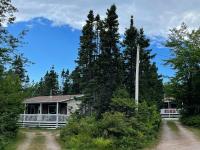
[[51, 99]]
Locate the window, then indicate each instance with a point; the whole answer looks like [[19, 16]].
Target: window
[[52, 109]]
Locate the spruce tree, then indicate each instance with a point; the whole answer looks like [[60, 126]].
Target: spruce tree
[[65, 82], [130, 44], [110, 62], [150, 83], [75, 79], [18, 67], [87, 61]]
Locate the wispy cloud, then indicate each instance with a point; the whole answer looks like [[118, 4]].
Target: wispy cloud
[[155, 16]]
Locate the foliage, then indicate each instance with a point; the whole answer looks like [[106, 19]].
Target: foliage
[[49, 84], [150, 82], [11, 97], [115, 129], [65, 82], [102, 67], [191, 120], [11, 90], [185, 60]]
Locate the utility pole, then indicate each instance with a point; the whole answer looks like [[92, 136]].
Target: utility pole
[[137, 77]]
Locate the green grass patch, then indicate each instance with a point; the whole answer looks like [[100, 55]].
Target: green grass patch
[[38, 142], [154, 142], [16, 141], [172, 125]]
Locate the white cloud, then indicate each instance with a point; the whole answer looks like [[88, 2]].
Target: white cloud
[[155, 16]]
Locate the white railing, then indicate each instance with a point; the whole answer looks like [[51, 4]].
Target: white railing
[[43, 118], [170, 113]]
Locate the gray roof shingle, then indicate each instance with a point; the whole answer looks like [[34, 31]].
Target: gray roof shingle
[[50, 99]]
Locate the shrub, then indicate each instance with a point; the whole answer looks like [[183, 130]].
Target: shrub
[[113, 131], [11, 106], [191, 120]]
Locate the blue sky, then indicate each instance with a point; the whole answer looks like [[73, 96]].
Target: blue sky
[[54, 27], [48, 45]]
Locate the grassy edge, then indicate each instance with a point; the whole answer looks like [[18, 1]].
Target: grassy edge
[[194, 130], [60, 142], [12, 145], [172, 125], [156, 140], [38, 142]]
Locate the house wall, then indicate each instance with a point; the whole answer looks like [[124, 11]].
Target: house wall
[[72, 106]]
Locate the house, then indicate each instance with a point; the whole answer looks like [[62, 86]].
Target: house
[[48, 111], [169, 109]]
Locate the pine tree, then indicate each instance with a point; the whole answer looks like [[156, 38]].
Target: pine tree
[[65, 82], [18, 67], [130, 43], [110, 62], [87, 60], [75, 82], [48, 85], [51, 82], [150, 86]]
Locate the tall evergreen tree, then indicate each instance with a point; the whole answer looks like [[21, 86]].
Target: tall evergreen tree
[[150, 86], [51, 82], [18, 67], [130, 43], [75, 78], [65, 82], [87, 60], [110, 62]]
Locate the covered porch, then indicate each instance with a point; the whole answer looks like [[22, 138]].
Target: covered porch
[[47, 111]]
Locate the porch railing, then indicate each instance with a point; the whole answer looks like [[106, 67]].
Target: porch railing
[[43, 118], [170, 113]]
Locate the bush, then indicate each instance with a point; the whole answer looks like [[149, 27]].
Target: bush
[[191, 120], [122, 128], [11, 106]]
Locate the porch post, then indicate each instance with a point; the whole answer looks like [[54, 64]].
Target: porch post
[[24, 115], [57, 107], [40, 108], [40, 118]]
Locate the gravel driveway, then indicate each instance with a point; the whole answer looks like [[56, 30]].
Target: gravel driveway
[[183, 139]]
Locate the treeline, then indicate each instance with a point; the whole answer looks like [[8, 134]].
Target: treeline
[[185, 60], [54, 83], [105, 74], [13, 77], [105, 63]]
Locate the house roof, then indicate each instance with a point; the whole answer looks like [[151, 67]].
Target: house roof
[[51, 99]]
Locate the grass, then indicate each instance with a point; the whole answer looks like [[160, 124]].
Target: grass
[[60, 142], [16, 141], [38, 142], [155, 141], [172, 125]]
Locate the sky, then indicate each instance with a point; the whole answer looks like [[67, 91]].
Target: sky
[[55, 27]]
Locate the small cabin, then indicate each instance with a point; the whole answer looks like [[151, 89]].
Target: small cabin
[[48, 111], [169, 109]]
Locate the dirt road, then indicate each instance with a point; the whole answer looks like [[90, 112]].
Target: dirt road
[[177, 137], [29, 142]]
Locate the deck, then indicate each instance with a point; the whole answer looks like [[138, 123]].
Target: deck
[[170, 113], [42, 120]]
